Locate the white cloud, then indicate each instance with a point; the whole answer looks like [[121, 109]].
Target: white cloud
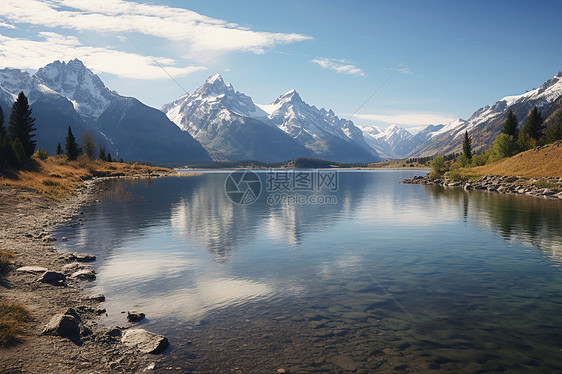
[[7, 25], [202, 33], [29, 54], [409, 118], [339, 66]]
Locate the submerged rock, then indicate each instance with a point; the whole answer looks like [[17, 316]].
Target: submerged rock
[[134, 316], [95, 297], [144, 341], [84, 257]]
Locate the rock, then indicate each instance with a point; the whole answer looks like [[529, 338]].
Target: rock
[[345, 362], [62, 325], [144, 341], [84, 274], [114, 332], [31, 269], [84, 257], [100, 311], [134, 316], [53, 277], [49, 239], [95, 297], [72, 312], [74, 267]]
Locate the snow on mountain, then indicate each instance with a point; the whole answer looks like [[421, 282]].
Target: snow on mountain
[[389, 142], [212, 109], [78, 83], [486, 123]]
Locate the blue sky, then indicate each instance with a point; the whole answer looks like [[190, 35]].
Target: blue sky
[[461, 55]]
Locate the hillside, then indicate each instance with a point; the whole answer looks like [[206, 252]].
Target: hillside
[[545, 161]]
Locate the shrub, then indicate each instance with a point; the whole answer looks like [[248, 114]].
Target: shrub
[[41, 154], [438, 165], [505, 146], [12, 317], [5, 260]]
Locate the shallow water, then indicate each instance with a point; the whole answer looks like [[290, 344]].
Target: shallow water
[[390, 277]]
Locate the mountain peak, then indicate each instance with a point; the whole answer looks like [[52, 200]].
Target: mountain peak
[[291, 96], [214, 78]]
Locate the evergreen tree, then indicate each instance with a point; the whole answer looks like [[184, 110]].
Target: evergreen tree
[[109, 157], [2, 130], [467, 146], [510, 127], [21, 124], [533, 127], [102, 156], [59, 149], [72, 148], [18, 153], [554, 127]]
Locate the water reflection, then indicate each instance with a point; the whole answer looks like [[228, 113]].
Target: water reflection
[[533, 221]]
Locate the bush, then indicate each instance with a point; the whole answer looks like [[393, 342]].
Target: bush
[[41, 154], [438, 165], [12, 317], [5, 260], [461, 162], [505, 146]]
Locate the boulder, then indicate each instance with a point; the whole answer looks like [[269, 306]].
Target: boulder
[[144, 341], [134, 316], [84, 257], [84, 274], [53, 277], [32, 269], [62, 325]]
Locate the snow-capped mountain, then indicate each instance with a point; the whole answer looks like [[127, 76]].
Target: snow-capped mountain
[[390, 142], [319, 130], [77, 83], [69, 94], [217, 116], [486, 123]]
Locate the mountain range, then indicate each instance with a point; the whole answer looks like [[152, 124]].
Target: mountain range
[[217, 122], [69, 94], [231, 126]]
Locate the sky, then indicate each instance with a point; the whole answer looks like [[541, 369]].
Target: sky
[[409, 63]]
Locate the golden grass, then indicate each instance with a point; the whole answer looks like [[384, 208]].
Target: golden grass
[[12, 317], [535, 163], [58, 178], [5, 260]]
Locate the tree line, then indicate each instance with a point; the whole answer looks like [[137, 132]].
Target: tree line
[[511, 141], [18, 144]]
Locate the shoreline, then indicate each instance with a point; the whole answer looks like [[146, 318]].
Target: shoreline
[[548, 187], [26, 220]]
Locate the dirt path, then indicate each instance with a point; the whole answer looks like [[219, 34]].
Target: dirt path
[[25, 221]]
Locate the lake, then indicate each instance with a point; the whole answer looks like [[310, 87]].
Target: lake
[[352, 272]]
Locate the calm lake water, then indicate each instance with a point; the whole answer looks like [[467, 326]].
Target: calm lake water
[[389, 277]]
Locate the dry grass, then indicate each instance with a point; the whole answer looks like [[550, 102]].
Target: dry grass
[[535, 163], [58, 178], [5, 260], [13, 315]]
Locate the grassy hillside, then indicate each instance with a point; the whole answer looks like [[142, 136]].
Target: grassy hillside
[[58, 178], [545, 161]]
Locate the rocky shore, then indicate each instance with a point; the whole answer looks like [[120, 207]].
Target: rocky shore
[[66, 333], [539, 187]]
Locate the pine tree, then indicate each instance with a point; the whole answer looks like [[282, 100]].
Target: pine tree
[[510, 127], [109, 157], [72, 148], [101, 155], [21, 124], [2, 129], [533, 127], [59, 149], [467, 146]]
